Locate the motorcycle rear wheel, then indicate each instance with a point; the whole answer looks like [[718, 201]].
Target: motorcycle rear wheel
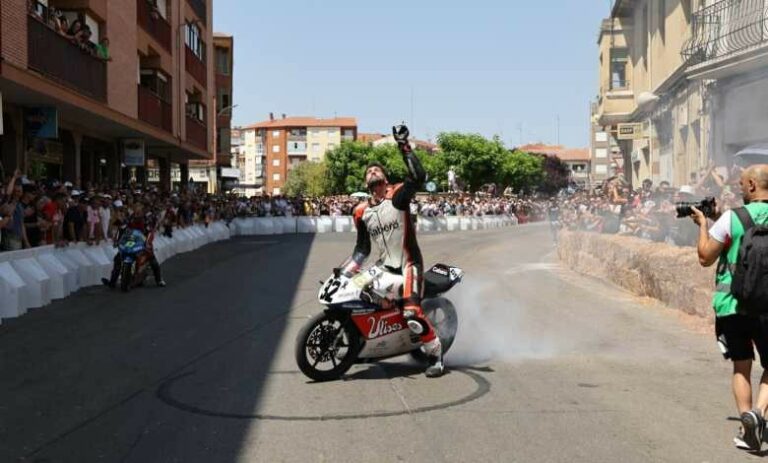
[[126, 277], [321, 341], [442, 314]]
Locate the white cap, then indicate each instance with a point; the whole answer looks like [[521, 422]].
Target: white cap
[[68, 184], [118, 203], [687, 189]]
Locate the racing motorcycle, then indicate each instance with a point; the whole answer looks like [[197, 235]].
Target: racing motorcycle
[[363, 321], [135, 254]]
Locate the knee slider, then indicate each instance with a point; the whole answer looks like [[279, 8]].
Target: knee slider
[[417, 326]]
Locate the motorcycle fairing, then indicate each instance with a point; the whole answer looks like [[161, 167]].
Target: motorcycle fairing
[[386, 334]]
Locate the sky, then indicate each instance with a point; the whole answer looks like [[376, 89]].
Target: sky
[[511, 68]]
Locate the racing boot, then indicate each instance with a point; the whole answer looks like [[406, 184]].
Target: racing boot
[[434, 351]]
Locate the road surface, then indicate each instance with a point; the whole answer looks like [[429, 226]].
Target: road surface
[[549, 366]]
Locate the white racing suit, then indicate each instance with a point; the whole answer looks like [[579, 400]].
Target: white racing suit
[[392, 229]]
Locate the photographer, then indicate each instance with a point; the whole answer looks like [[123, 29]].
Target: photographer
[[739, 322]]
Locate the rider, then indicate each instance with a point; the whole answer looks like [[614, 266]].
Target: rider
[[386, 219]]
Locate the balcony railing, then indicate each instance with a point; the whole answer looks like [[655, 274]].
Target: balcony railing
[[725, 28], [195, 67], [56, 57], [197, 133], [154, 110], [153, 23], [198, 6]]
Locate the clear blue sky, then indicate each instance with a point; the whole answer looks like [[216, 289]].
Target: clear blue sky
[[486, 66]]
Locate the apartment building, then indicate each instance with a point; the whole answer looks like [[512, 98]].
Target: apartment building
[[379, 139], [683, 83], [73, 110], [282, 143], [604, 153], [248, 159]]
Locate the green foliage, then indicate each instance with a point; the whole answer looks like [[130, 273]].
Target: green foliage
[[521, 171], [308, 179], [477, 160]]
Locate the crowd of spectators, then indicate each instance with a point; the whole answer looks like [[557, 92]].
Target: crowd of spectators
[[649, 212], [76, 31], [37, 213]]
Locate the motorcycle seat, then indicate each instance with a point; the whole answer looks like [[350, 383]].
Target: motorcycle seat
[[437, 282]]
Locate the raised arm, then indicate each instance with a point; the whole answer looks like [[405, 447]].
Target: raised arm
[[416, 175]]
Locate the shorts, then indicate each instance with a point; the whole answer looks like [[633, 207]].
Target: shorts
[[740, 333]]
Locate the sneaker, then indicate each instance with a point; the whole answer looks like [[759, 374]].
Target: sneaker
[[107, 283], [739, 442], [161, 283], [753, 425]]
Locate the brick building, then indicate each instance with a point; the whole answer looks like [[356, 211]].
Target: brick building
[[69, 113], [280, 144]]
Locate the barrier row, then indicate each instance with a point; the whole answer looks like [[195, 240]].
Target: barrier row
[[281, 225], [32, 278]]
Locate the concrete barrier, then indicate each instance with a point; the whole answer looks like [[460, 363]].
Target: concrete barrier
[[667, 273]]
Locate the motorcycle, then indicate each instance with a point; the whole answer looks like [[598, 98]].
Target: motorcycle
[[135, 253], [363, 321]]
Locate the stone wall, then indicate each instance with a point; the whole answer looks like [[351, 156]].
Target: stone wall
[[667, 273]]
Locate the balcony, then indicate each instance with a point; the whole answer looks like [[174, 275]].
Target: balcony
[[59, 59], [154, 24], [195, 67], [198, 6], [155, 111], [727, 28], [197, 133]]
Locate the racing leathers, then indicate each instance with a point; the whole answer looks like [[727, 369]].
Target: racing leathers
[[389, 224]]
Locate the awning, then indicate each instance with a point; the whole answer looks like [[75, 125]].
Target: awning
[[755, 154]]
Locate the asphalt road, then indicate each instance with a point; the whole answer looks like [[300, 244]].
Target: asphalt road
[[548, 366]]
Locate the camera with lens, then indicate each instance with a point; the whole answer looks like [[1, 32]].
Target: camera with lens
[[708, 207]]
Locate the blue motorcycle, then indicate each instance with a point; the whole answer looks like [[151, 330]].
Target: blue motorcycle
[[135, 257]]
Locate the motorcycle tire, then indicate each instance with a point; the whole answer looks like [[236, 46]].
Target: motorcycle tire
[[126, 277], [442, 314], [323, 326]]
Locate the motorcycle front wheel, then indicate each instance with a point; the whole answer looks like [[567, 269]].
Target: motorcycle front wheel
[[126, 276], [327, 346], [442, 314]]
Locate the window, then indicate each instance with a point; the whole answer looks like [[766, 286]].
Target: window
[[194, 41], [275, 148], [276, 163], [156, 82], [316, 147], [275, 134], [619, 61], [223, 100], [222, 61], [601, 136], [601, 169], [601, 153], [331, 146], [275, 191], [276, 177], [260, 149]]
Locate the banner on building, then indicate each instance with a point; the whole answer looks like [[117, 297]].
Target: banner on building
[[631, 131], [47, 151], [133, 152], [41, 122]]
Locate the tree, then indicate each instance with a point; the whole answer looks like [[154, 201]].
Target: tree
[[308, 179], [556, 175], [477, 160], [521, 171]]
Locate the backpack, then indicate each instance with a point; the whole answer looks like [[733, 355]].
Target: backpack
[[750, 276]]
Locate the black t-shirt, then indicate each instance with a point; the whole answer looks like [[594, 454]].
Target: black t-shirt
[[76, 217], [34, 235]]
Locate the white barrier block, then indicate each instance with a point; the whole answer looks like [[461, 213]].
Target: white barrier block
[[452, 223], [425, 224], [185, 241], [324, 224], [465, 223], [103, 264], [306, 225], [12, 303], [38, 282], [73, 277], [57, 273], [343, 224], [88, 272], [285, 225], [264, 226]]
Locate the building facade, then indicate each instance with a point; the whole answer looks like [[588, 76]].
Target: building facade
[[683, 84], [75, 111], [578, 160], [279, 144]]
